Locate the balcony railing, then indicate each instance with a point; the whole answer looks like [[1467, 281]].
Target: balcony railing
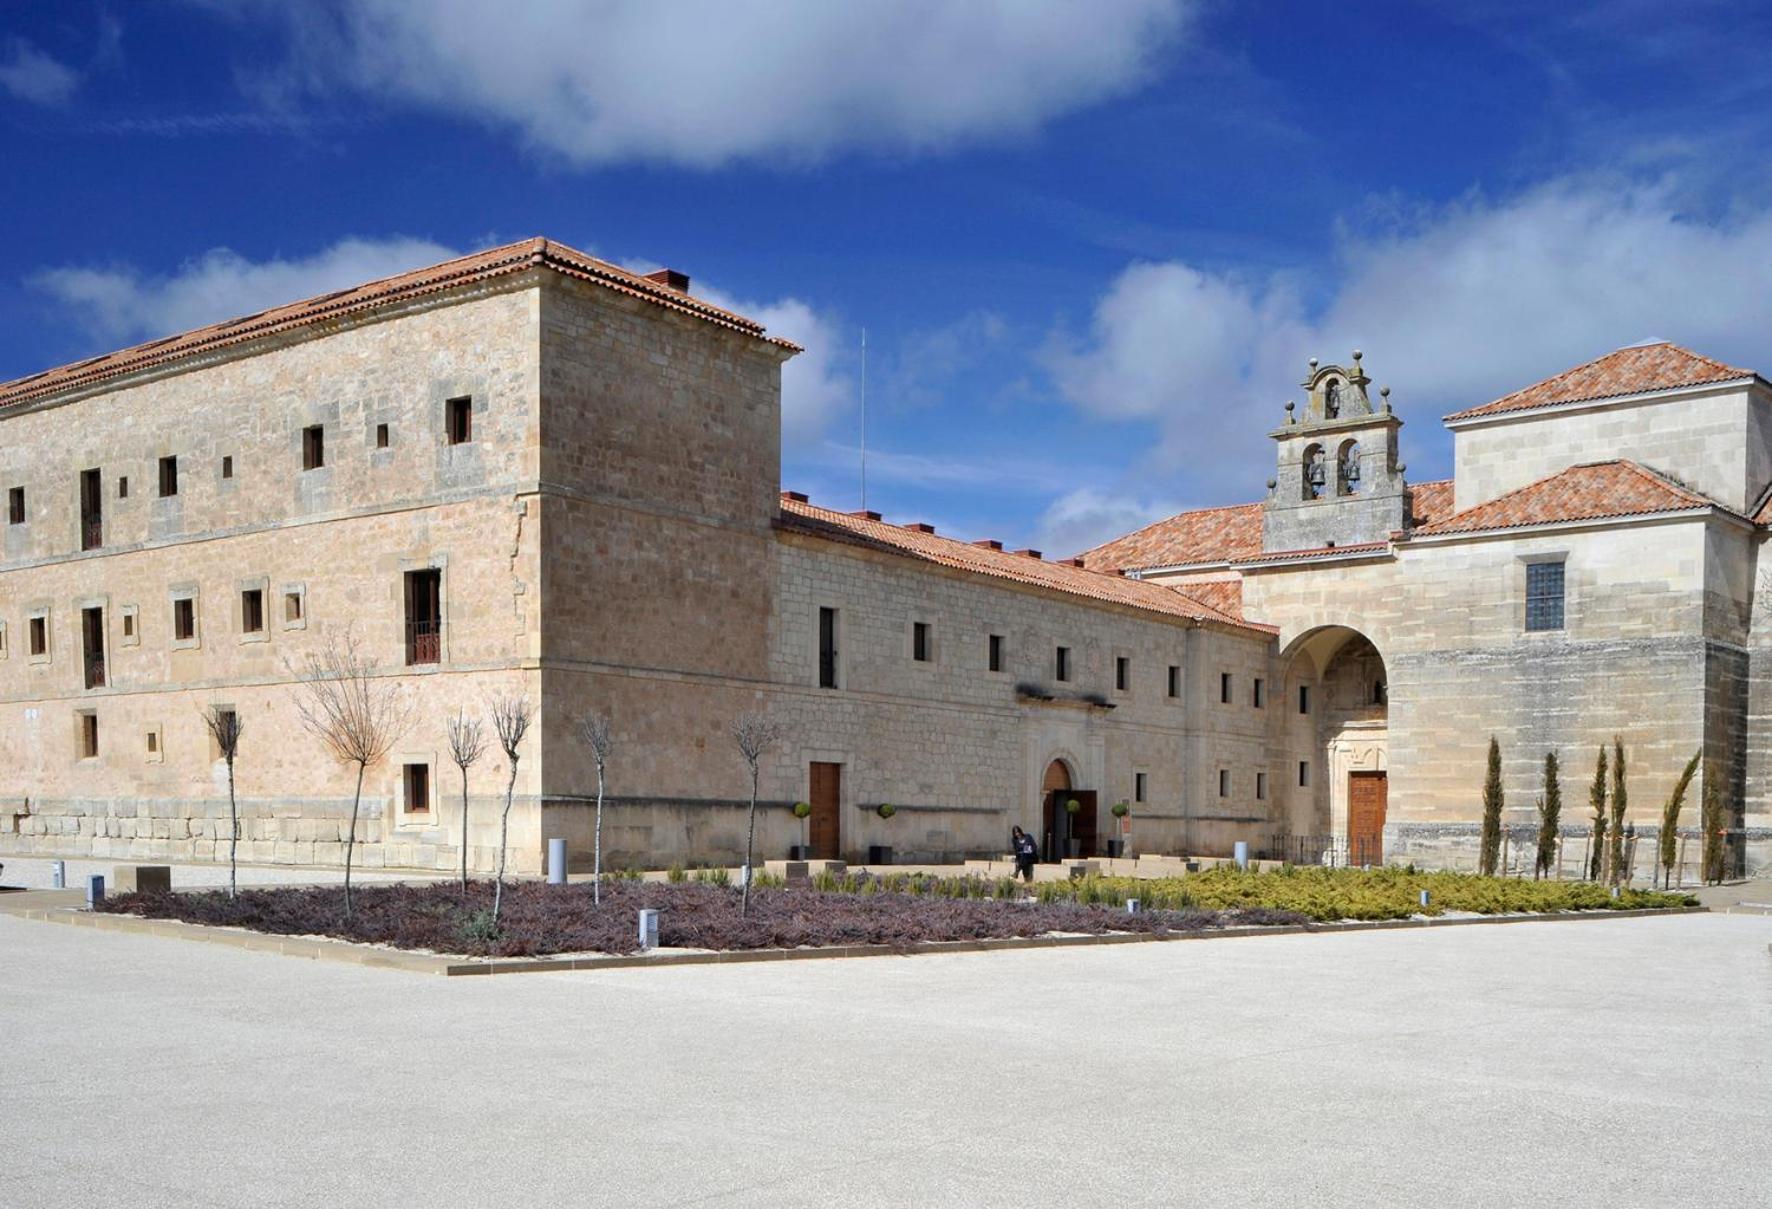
[[92, 533], [424, 642]]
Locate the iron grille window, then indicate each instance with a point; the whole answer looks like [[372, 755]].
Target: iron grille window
[[1544, 596], [424, 617], [827, 648]]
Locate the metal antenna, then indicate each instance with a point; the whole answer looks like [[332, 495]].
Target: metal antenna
[[864, 419]]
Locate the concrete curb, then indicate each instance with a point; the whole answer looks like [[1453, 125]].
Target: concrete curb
[[456, 967]]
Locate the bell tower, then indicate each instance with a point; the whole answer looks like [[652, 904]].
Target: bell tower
[[1339, 482]]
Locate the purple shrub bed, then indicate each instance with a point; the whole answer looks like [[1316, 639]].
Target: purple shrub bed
[[539, 919]]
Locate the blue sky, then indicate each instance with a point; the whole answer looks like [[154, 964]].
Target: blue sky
[[1092, 244]]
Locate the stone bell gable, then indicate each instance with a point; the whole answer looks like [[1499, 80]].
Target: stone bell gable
[[1338, 481]]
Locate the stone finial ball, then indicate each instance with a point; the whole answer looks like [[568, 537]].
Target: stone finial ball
[[1401, 468], [1290, 405], [1356, 354], [1384, 392], [1313, 363], [1272, 483]]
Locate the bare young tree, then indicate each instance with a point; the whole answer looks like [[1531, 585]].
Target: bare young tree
[[225, 728], [598, 735], [753, 734], [467, 743], [511, 719], [355, 712]]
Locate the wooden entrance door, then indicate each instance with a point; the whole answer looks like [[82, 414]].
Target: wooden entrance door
[[826, 840], [1367, 793]]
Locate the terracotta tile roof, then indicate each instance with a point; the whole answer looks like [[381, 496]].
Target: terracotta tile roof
[[1225, 595], [1316, 552], [1223, 535], [1204, 535], [866, 530], [477, 267], [1592, 491], [1626, 371]]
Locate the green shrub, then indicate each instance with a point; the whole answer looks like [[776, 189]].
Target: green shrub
[[676, 873]]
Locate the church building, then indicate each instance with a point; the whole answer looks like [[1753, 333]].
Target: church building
[[528, 472]]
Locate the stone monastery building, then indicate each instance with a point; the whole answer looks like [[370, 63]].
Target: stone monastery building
[[530, 471]]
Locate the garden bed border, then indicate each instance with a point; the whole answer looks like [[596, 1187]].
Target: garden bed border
[[352, 953]]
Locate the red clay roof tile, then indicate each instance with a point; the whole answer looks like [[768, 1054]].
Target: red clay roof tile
[[1592, 491], [1627, 371]]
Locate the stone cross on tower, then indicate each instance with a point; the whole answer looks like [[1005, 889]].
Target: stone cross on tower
[[1338, 481]]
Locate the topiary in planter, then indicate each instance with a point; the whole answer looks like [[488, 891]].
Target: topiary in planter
[[1121, 809], [802, 810], [885, 810], [1072, 806]]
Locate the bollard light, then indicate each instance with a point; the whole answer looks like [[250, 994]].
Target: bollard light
[[556, 862], [95, 890], [1132, 906], [648, 928], [1424, 898], [58, 875], [1615, 892], [1241, 853]]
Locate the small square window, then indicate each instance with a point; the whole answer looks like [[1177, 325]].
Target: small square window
[[1224, 688], [1259, 693], [227, 466], [128, 623], [995, 653], [1122, 672], [461, 421], [1544, 596], [383, 438], [1304, 773], [184, 619], [86, 733], [15, 506], [313, 447], [168, 477], [252, 611], [1174, 681], [1138, 785], [294, 608], [920, 641], [39, 641], [1224, 783], [1062, 663]]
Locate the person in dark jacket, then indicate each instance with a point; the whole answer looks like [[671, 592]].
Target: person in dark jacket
[[1025, 852]]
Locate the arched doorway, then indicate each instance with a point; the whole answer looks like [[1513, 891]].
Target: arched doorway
[[1341, 728], [1065, 833]]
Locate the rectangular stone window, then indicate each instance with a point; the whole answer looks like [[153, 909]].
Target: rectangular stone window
[[1174, 681], [155, 751], [2, 640], [920, 647], [1544, 596], [295, 608], [127, 617], [1224, 688], [39, 637], [252, 611], [227, 722], [459, 420], [424, 616], [1061, 663], [227, 466], [92, 645], [1122, 672], [1304, 698], [313, 447], [1224, 782], [1138, 786], [1304, 774], [1261, 787], [1258, 695], [168, 477], [827, 648], [15, 506], [123, 486], [92, 518], [418, 788], [184, 620], [383, 437], [994, 654], [86, 734]]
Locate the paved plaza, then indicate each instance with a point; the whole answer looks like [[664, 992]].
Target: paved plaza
[[1607, 1063]]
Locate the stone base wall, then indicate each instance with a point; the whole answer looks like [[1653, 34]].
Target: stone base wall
[[1457, 846]]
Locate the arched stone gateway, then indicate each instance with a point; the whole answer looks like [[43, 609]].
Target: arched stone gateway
[[1341, 704], [1065, 833]]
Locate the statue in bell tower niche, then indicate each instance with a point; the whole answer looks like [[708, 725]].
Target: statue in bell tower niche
[[1316, 474], [1332, 400]]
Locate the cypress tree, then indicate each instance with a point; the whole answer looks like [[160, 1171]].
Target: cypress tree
[[1596, 800], [1615, 870], [1670, 820], [1712, 820], [1492, 804], [1550, 811]]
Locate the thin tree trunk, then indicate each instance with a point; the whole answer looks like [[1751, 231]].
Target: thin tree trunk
[[597, 844], [233, 837], [749, 846], [504, 827], [351, 839], [464, 833]]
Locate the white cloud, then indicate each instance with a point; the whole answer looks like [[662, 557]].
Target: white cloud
[[702, 83], [121, 303], [1452, 307], [30, 75], [1086, 517]]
